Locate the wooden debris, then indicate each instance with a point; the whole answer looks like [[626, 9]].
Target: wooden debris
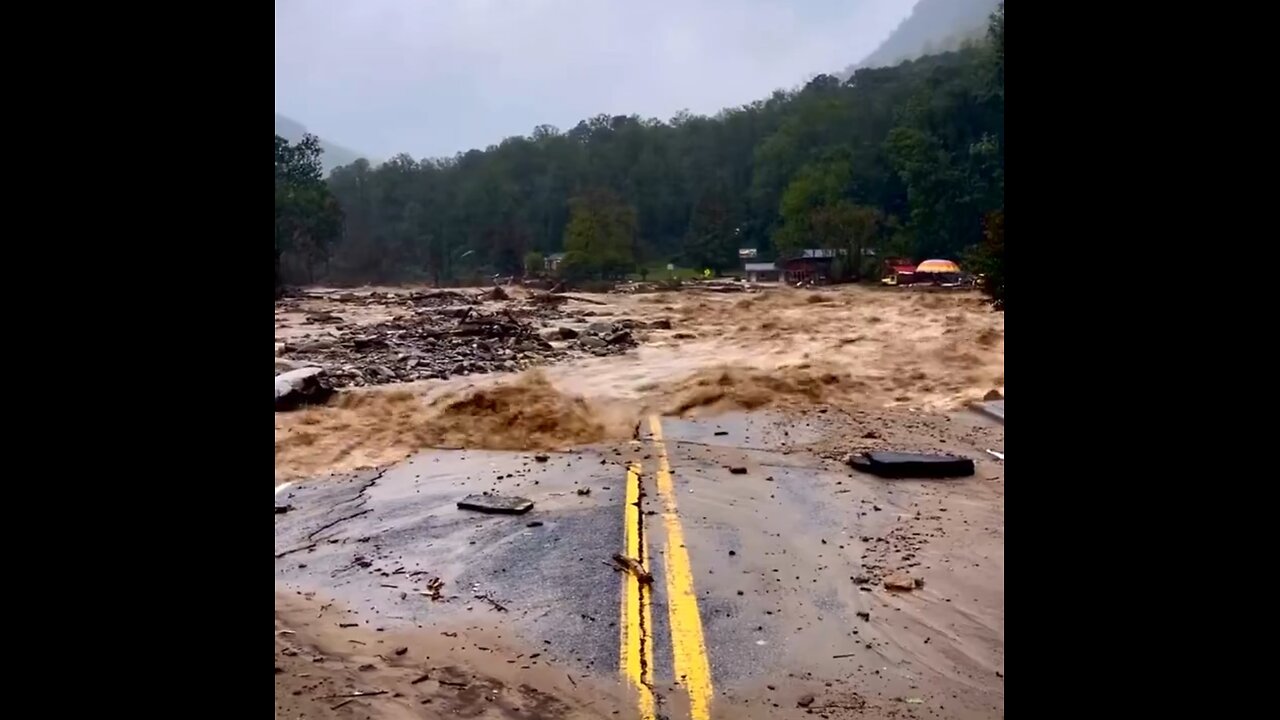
[[366, 693], [634, 567], [434, 587]]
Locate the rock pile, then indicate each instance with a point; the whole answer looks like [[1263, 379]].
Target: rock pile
[[431, 344], [445, 333], [607, 338]]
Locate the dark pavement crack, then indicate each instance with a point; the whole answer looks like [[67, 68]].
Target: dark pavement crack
[[360, 497], [642, 588], [294, 550], [326, 526]]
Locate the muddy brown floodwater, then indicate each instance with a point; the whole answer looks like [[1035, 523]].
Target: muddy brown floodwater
[[848, 347]]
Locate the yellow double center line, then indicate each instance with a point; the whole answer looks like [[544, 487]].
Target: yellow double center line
[[636, 657], [688, 646]]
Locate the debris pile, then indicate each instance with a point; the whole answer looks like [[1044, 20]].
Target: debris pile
[[428, 345], [444, 333], [603, 338]]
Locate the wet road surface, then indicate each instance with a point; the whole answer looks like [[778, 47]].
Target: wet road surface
[[761, 578]]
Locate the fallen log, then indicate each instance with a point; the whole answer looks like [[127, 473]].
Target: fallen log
[[547, 299], [585, 300]]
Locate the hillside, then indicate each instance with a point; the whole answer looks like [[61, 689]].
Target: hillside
[[906, 162], [933, 26], [334, 155]]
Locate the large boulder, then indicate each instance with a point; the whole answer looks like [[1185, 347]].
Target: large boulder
[[622, 337], [304, 386], [557, 333]]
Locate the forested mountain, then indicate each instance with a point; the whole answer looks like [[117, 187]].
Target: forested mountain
[[906, 159], [332, 155], [933, 26]]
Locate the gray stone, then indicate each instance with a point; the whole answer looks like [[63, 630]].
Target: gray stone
[[301, 387]]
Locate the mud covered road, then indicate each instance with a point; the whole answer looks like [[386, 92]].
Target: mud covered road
[[767, 556]]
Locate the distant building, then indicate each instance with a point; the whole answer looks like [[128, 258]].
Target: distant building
[[822, 253], [761, 272], [552, 261], [898, 271], [811, 265]]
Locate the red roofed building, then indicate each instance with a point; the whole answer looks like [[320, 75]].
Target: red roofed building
[[898, 271]]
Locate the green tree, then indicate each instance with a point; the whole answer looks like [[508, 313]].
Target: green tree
[[601, 235], [712, 240], [810, 208], [534, 263], [818, 212], [987, 259], [853, 229], [308, 219], [991, 255]]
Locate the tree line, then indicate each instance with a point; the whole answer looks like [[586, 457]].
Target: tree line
[[905, 160]]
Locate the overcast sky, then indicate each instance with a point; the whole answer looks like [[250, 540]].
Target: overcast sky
[[434, 77]]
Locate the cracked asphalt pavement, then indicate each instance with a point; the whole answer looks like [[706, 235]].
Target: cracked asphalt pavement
[[777, 559]]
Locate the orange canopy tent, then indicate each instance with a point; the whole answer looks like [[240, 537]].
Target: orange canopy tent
[[938, 266]]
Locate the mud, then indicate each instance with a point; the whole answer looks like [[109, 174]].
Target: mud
[[324, 670], [729, 388]]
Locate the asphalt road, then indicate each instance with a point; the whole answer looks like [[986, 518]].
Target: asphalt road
[[758, 576]]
